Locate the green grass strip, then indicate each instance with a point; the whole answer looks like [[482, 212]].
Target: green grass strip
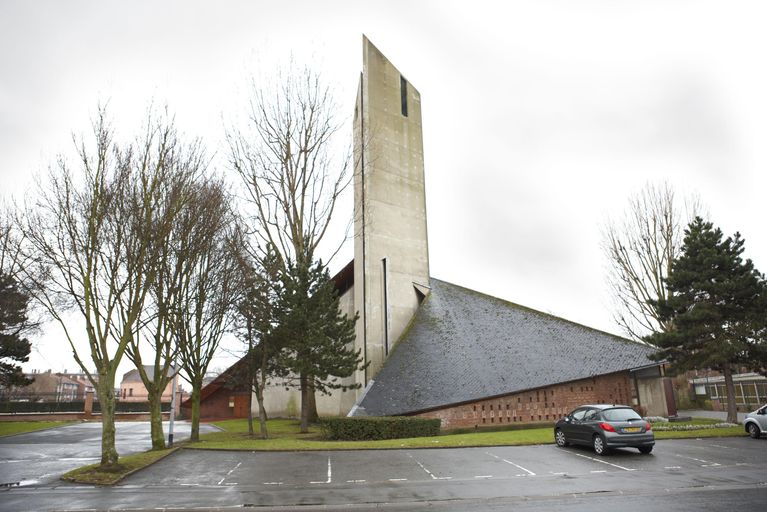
[[284, 436], [94, 474], [10, 428]]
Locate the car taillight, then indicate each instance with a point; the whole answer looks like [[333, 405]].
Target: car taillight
[[648, 426], [606, 427]]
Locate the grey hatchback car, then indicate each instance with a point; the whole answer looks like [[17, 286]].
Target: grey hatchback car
[[755, 422], [604, 427]]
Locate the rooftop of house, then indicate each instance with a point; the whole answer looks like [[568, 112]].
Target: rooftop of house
[[464, 346], [134, 376]]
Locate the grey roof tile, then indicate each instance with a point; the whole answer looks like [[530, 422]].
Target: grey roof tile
[[464, 346]]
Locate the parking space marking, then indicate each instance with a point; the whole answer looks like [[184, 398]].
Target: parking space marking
[[706, 463], [356, 481], [229, 473], [432, 475], [484, 476], [601, 461], [673, 467], [513, 464], [272, 483], [598, 471], [330, 475], [398, 479]]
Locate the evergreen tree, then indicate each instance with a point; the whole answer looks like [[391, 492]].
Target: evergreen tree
[[318, 336], [13, 320], [717, 307], [256, 326]]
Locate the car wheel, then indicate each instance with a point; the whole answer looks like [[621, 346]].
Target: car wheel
[[645, 449], [753, 430], [600, 448], [560, 438]]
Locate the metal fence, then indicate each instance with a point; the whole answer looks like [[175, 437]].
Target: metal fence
[[17, 402]]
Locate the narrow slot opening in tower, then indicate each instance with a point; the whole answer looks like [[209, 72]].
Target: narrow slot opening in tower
[[403, 94]]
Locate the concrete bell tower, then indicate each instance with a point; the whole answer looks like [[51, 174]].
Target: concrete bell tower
[[391, 253]]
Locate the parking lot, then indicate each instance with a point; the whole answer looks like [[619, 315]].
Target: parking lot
[[42, 457], [522, 464], [689, 474]]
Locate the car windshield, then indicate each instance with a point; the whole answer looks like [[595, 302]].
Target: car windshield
[[620, 415]]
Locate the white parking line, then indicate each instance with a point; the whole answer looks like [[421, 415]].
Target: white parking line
[[272, 483], [484, 476], [598, 471], [673, 467], [432, 475], [229, 473], [330, 475], [706, 463], [602, 461], [356, 481], [513, 464], [398, 479]]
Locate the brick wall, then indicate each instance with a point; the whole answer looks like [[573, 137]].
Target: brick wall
[[216, 405], [543, 404]]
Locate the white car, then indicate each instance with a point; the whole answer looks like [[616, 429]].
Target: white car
[[756, 422]]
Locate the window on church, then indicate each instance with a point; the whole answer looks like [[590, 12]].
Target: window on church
[[385, 305], [403, 94]]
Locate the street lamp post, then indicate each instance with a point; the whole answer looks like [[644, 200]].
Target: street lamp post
[[172, 407]]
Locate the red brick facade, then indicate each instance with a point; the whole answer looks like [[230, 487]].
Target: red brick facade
[[222, 403], [543, 404]]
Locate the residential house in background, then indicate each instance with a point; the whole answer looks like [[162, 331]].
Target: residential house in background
[[132, 388]]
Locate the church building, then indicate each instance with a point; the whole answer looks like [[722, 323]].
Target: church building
[[436, 349]]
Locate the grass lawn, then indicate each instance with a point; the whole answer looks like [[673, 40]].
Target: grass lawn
[[93, 474], [9, 428], [285, 436]]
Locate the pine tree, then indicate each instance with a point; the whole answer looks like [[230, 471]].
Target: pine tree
[[717, 306], [13, 320], [318, 336]]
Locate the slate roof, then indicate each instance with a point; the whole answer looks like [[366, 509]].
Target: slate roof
[[135, 376], [464, 346]]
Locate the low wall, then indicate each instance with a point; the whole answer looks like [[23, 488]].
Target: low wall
[[77, 416]]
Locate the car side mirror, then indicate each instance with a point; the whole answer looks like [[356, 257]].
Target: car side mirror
[[567, 419]]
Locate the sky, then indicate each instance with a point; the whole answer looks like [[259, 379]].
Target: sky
[[541, 119]]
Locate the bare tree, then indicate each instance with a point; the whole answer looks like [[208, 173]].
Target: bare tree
[[155, 337], [292, 170], [10, 243], [640, 250], [207, 285], [89, 242]]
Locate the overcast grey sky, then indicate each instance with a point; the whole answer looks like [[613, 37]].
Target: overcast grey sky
[[540, 118]]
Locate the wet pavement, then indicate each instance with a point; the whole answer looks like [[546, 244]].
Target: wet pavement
[[689, 474], [42, 457]]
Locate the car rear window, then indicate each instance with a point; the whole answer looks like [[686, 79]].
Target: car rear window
[[620, 415]]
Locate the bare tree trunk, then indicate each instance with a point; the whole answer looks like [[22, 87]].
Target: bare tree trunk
[[259, 389], [155, 420], [312, 401], [732, 407], [304, 404], [196, 387], [105, 391]]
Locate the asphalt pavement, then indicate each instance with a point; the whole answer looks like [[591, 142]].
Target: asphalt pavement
[[689, 474], [42, 457]]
